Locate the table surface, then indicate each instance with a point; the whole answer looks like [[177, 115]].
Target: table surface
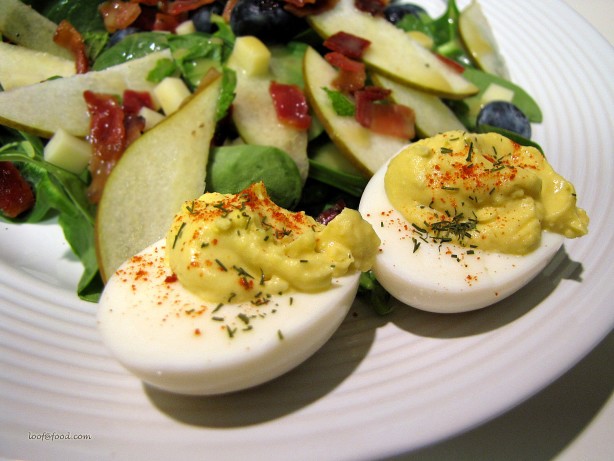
[[573, 418]]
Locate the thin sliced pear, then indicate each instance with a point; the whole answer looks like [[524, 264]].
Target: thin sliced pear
[[254, 116], [432, 115], [45, 107], [393, 52], [23, 25], [479, 40], [364, 148], [23, 66], [158, 172]]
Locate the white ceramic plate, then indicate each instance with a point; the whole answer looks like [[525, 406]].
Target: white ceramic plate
[[381, 386]]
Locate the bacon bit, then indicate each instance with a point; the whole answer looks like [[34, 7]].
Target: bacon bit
[[171, 278], [230, 4], [373, 7], [290, 105], [166, 22], [16, 194], [68, 37], [135, 126], [107, 136], [182, 6], [118, 15], [349, 45], [134, 101], [382, 117], [300, 3], [456, 67], [305, 8], [352, 74]]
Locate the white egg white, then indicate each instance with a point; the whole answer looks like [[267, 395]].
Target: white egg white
[[175, 341], [443, 278]]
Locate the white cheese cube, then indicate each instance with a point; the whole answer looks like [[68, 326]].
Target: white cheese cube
[[68, 152], [170, 93], [496, 92], [186, 27], [251, 56]]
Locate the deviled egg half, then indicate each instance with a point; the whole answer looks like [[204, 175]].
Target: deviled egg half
[[467, 219], [239, 292]]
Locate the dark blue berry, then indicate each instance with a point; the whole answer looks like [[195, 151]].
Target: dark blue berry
[[202, 17], [265, 19], [503, 114], [118, 36], [396, 11]]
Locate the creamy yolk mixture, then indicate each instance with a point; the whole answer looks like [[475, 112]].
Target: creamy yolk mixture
[[243, 247], [483, 191]]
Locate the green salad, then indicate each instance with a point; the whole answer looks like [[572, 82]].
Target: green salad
[[309, 158]]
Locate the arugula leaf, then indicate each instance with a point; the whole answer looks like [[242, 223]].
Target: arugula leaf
[[63, 193]]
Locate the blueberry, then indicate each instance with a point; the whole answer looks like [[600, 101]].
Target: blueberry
[[395, 11], [265, 19], [119, 35], [503, 114], [202, 17]]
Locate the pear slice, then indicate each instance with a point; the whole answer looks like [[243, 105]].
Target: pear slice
[[432, 115], [45, 107], [478, 38], [158, 172], [23, 66], [393, 52], [23, 25], [253, 112], [364, 148], [254, 116]]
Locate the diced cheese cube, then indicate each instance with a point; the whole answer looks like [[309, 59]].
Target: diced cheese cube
[[186, 27], [250, 55], [170, 93], [152, 117], [496, 92], [68, 152]]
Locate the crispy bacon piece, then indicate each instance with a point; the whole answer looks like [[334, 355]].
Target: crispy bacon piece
[[16, 196], [165, 22], [352, 74], [107, 136], [134, 101], [118, 15], [302, 8], [68, 37], [456, 67], [183, 6], [380, 116], [349, 45], [291, 105], [373, 7]]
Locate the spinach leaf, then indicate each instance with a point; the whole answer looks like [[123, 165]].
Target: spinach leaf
[[233, 168], [523, 100], [84, 16], [132, 47], [58, 192]]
